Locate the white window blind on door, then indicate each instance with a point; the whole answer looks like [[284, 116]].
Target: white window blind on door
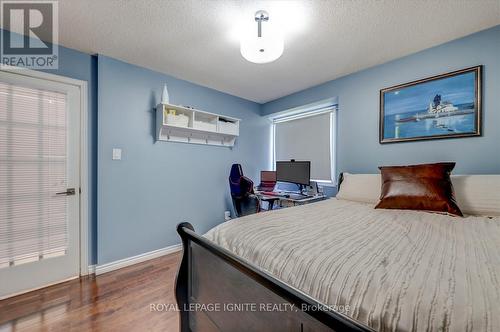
[[33, 223], [306, 138]]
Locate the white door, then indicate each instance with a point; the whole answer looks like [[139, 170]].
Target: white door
[[39, 182]]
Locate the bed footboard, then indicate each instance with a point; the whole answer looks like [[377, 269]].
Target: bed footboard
[[217, 291]]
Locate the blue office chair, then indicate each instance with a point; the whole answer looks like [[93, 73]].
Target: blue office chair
[[244, 200]]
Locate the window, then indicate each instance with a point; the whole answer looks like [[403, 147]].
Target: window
[[308, 136], [32, 164]]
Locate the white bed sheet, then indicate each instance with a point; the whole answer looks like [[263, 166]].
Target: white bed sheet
[[394, 270]]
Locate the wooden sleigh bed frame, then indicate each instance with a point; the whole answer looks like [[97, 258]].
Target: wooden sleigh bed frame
[[218, 291]]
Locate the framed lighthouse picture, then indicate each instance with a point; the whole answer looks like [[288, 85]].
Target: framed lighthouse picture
[[443, 106]]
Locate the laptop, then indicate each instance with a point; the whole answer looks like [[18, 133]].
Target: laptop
[[267, 180]]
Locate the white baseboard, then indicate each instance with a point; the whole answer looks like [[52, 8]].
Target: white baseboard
[[108, 267]]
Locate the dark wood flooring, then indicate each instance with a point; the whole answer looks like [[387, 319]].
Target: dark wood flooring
[[115, 301]]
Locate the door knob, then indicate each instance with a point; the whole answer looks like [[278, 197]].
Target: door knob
[[68, 192]]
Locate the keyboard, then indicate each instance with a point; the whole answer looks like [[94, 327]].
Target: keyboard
[[272, 193], [298, 197]]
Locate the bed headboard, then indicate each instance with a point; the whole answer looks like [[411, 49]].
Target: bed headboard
[[475, 194]]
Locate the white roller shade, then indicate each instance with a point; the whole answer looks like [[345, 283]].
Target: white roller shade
[[306, 138], [32, 170]]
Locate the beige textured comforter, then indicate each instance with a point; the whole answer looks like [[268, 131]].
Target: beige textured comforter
[[395, 270]]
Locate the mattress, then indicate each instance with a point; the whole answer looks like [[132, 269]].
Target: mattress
[[389, 269]]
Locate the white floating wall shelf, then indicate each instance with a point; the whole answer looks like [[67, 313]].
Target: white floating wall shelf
[[190, 125]]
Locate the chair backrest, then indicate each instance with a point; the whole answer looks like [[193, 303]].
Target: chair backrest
[[235, 179], [236, 173], [241, 190], [240, 185]]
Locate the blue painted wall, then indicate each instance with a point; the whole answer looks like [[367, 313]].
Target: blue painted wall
[[140, 199], [358, 149], [136, 202], [159, 184]]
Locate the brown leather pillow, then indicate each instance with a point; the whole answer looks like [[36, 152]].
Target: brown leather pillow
[[424, 187]]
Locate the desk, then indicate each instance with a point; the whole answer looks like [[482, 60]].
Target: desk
[[286, 201]]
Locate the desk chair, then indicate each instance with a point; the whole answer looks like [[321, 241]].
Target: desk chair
[[244, 200]]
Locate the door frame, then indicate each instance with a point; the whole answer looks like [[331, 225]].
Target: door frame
[[83, 153]]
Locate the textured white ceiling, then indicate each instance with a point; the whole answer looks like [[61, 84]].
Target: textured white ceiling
[[197, 40]]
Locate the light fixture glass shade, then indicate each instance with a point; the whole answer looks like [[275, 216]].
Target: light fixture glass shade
[[262, 49]]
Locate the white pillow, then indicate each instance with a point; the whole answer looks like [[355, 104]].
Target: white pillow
[[478, 194], [475, 194], [364, 188]]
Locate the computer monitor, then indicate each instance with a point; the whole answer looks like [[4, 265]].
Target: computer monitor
[[298, 172]]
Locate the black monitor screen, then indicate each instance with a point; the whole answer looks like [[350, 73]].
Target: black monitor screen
[[293, 171]]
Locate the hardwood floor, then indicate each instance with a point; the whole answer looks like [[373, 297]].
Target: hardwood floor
[[115, 301]]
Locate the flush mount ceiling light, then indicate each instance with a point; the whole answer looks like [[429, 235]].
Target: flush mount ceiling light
[[264, 46]]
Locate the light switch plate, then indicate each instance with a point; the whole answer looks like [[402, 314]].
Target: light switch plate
[[117, 154]]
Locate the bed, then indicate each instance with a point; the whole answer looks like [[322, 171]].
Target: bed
[[341, 265]]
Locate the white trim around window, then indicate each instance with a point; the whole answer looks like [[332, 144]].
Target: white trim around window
[[297, 114]]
